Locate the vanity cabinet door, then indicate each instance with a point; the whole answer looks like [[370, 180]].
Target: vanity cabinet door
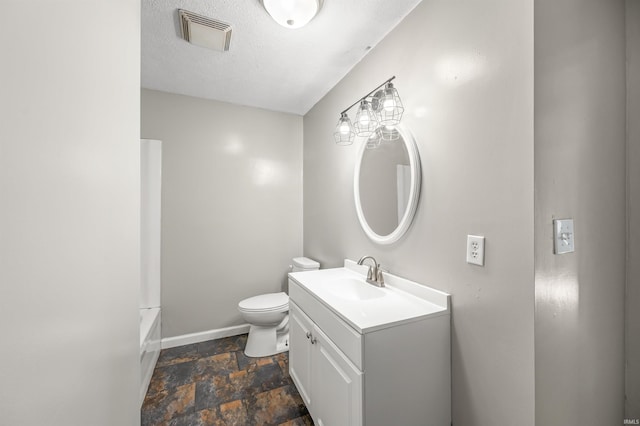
[[337, 385], [300, 353]]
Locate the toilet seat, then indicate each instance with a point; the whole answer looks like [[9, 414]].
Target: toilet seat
[[270, 302]]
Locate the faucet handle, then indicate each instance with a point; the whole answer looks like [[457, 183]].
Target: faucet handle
[[370, 273], [380, 277]]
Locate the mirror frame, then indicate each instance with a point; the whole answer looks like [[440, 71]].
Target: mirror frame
[[414, 191]]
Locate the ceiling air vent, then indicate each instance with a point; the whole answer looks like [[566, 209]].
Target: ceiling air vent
[[205, 32]]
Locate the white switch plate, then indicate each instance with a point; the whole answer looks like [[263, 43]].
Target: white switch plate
[[563, 236], [475, 250]]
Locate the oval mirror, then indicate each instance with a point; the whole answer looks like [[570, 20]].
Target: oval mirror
[[386, 186]]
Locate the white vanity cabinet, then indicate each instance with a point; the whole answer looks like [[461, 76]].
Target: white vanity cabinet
[[300, 364], [369, 356], [330, 385]]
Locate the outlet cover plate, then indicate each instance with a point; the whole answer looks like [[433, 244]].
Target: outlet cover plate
[[563, 236], [475, 250]]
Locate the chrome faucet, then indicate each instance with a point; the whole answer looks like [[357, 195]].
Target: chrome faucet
[[374, 275]]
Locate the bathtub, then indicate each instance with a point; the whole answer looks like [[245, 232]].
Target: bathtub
[[149, 346]]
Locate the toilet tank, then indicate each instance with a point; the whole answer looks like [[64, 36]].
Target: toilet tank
[[304, 264]]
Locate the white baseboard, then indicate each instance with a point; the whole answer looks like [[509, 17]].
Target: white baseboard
[[202, 336]]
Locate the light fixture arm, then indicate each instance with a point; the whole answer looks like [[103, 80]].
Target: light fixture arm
[[367, 95]]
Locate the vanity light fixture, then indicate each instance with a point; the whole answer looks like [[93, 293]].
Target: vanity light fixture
[[292, 13], [373, 141], [389, 106], [344, 134], [366, 120], [389, 133], [379, 112]]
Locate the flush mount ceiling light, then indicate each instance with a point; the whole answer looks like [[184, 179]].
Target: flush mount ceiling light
[[379, 112], [292, 13]]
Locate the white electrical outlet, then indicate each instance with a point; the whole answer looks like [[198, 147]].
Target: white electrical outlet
[[475, 250]]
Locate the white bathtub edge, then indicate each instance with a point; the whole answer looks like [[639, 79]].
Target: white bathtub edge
[[149, 316], [202, 336], [150, 331]]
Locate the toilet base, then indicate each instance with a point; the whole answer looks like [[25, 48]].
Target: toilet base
[[266, 341]]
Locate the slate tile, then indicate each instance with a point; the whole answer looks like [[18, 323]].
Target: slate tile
[[218, 346], [208, 417], [269, 377], [163, 406], [173, 375], [177, 355], [237, 385], [234, 413], [284, 366], [187, 420], [277, 406], [206, 395], [245, 362], [300, 421], [213, 384], [220, 364]]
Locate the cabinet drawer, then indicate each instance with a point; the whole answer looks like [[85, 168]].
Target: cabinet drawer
[[341, 334]]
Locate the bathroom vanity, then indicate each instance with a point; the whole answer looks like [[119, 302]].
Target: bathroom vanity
[[364, 355]]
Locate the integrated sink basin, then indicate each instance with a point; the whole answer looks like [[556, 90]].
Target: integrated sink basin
[[353, 289], [364, 306]]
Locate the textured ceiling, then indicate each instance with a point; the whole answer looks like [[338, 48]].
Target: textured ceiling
[[267, 66]]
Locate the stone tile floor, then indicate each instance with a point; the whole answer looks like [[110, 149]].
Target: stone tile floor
[[214, 383]]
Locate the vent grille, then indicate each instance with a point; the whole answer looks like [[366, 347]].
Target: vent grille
[[205, 32]]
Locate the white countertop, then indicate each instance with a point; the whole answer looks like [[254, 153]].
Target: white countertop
[[366, 307]]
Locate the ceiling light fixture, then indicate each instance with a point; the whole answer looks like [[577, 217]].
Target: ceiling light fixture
[[292, 13], [379, 112]]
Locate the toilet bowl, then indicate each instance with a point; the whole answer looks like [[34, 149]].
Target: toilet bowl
[[268, 316]]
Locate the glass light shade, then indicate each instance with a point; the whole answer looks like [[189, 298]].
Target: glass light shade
[[292, 13], [373, 141], [389, 106], [366, 121], [389, 133], [344, 134]]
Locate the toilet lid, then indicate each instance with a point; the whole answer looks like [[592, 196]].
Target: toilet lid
[[265, 302]]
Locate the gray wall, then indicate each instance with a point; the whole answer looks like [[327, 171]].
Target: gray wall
[[579, 173], [633, 213], [465, 74], [231, 205], [69, 215]]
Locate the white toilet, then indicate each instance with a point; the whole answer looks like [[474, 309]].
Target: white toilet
[[268, 315]]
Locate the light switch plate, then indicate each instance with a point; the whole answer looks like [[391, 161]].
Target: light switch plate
[[563, 236]]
